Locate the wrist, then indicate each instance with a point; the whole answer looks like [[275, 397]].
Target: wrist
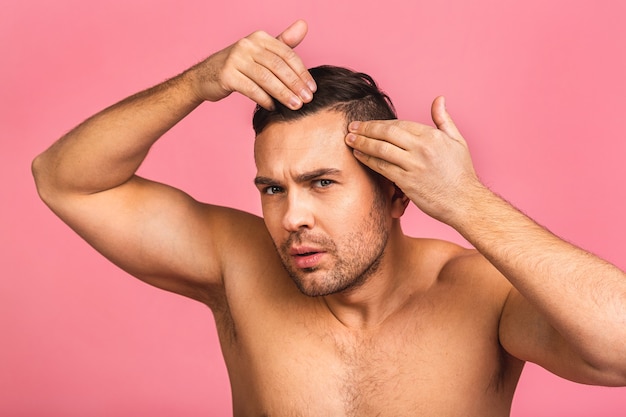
[[471, 206], [203, 80], [190, 83]]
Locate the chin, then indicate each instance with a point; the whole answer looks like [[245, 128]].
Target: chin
[[312, 288], [319, 286]]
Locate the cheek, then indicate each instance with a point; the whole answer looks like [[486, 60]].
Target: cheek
[[344, 215], [270, 216], [353, 202]]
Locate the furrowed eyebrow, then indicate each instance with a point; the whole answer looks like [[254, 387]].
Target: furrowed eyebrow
[[264, 181], [305, 177], [308, 176]]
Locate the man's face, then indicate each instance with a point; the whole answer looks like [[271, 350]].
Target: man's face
[[326, 216]]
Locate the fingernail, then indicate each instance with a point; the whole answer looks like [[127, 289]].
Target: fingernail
[[350, 138], [295, 102], [312, 86], [354, 125], [306, 95]]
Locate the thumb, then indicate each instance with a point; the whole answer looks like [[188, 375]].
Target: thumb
[[294, 34], [442, 119]]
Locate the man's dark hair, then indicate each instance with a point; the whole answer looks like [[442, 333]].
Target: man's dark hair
[[354, 94]]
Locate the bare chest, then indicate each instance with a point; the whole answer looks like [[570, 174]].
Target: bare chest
[[301, 364]]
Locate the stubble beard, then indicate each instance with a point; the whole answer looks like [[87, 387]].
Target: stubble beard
[[352, 269]]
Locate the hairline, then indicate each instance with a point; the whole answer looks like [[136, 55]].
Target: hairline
[[337, 107]]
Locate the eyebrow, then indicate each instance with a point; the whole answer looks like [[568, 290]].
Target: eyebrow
[[304, 177]]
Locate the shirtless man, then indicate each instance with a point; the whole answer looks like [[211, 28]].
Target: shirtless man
[[323, 306]]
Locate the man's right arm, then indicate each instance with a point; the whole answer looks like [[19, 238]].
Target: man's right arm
[[155, 232]]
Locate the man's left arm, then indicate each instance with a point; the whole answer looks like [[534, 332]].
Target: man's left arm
[[567, 310]]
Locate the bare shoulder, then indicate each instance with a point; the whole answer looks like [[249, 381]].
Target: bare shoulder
[[465, 270], [240, 237], [469, 264], [240, 242], [249, 264]]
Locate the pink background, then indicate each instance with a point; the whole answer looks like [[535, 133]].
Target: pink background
[[537, 87]]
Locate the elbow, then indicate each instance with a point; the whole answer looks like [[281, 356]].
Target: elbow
[[41, 177], [617, 369], [609, 368], [36, 170], [613, 377], [621, 382]]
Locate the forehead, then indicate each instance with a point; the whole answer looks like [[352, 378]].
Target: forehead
[[314, 141]]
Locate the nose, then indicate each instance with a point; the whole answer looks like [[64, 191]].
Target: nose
[[298, 213]]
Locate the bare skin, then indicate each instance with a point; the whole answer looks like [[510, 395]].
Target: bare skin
[[432, 329]]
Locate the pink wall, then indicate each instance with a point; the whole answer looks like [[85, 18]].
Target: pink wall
[[537, 87]]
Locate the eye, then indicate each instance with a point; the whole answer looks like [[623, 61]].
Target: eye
[[273, 189], [323, 183]]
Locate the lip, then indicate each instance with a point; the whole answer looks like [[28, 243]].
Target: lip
[[306, 257], [301, 250]]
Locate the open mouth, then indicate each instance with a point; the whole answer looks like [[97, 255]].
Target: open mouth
[[308, 259]]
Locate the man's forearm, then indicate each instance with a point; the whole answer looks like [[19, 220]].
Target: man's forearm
[[574, 292], [106, 150], [581, 295]]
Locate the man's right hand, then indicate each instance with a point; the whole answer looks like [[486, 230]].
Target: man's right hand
[[153, 231], [258, 66]]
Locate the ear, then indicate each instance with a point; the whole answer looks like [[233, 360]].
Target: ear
[[399, 202]]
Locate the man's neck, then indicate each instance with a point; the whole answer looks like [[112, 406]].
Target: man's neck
[[383, 293]]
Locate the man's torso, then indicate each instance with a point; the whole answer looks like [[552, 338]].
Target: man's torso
[[438, 354]]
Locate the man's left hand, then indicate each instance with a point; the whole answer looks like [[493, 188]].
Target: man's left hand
[[432, 166]]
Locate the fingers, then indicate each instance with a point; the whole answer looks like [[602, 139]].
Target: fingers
[[371, 147], [260, 67], [385, 144], [382, 165], [431, 165], [279, 71], [397, 132], [294, 34], [273, 68], [291, 37], [443, 120], [252, 90]]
